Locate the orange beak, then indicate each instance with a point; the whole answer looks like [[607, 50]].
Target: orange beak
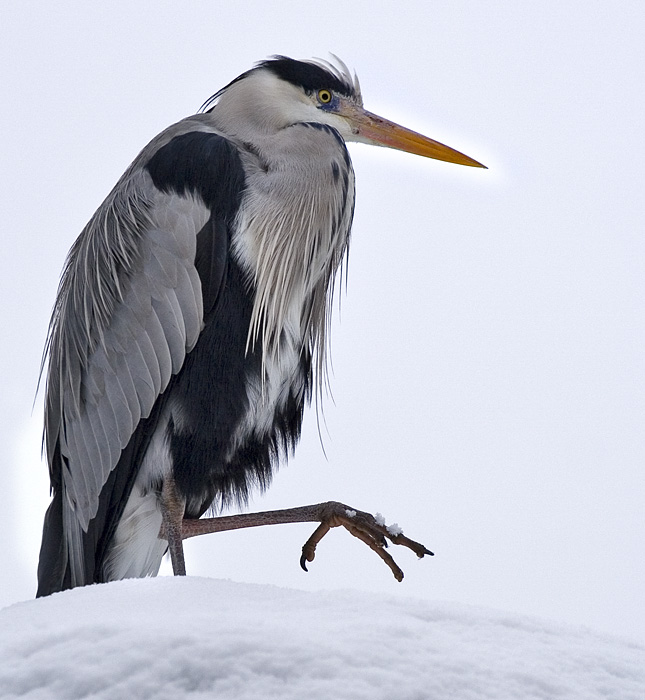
[[370, 128]]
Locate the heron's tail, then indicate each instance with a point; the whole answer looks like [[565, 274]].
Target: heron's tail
[[53, 570], [105, 552]]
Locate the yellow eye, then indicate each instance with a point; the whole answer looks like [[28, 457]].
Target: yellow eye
[[324, 96]]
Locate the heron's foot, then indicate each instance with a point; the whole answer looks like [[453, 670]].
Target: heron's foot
[[369, 529]]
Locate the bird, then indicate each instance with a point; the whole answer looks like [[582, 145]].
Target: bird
[[191, 325]]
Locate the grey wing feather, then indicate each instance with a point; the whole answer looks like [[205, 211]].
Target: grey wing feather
[[168, 312], [121, 327]]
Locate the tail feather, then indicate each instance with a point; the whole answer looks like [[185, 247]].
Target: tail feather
[[53, 571], [93, 546]]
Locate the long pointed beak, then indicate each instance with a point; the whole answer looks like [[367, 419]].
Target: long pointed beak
[[370, 128]]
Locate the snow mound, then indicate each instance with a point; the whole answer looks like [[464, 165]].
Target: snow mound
[[201, 638]]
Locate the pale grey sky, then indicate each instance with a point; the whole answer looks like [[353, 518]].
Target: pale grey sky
[[489, 369]]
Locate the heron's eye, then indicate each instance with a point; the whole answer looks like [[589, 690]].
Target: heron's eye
[[324, 96]]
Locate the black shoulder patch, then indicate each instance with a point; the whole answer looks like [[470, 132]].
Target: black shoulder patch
[[308, 76], [201, 163]]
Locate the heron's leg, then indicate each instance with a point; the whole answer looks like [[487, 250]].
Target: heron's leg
[[172, 512], [362, 525]]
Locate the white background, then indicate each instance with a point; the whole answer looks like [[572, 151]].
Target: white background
[[489, 371]]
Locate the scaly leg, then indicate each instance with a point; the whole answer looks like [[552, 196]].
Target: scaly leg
[[330, 514], [172, 513]]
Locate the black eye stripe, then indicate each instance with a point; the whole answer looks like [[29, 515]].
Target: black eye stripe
[[307, 75]]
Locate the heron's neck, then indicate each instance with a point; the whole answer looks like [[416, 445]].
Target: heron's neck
[[292, 233]]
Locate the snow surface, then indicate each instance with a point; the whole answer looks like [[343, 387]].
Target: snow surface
[[204, 638]]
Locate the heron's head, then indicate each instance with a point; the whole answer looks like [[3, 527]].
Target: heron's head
[[281, 91]]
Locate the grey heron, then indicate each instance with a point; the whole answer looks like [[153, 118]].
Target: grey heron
[[191, 324]]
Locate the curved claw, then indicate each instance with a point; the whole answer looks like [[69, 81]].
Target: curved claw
[[309, 547], [364, 527], [419, 549]]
